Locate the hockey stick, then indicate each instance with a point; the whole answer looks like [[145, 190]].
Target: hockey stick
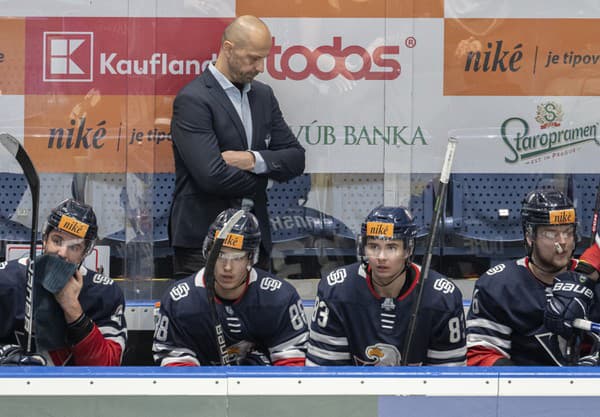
[[209, 276], [18, 152], [587, 325], [437, 213]]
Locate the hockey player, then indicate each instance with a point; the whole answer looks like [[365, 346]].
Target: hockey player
[[90, 329], [262, 316], [362, 311], [575, 293], [505, 323]]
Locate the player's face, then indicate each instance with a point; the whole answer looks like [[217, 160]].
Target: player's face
[[387, 258], [69, 247], [231, 271], [554, 245], [246, 61]]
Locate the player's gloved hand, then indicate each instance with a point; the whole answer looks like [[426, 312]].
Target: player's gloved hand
[[590, 258], [593, 358], [14, 355], [571, 298], [255, 358]]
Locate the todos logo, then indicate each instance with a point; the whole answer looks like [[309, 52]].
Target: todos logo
[[326, 62]]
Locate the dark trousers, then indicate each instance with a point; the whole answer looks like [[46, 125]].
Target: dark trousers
[[187, 261]]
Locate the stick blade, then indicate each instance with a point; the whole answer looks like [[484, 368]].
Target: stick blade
[[230, 223], [17, 150], [11, 143]]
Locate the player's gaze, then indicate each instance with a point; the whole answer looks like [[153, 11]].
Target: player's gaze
[[375, 249], [233, 257], [553, 235], [57, 243]]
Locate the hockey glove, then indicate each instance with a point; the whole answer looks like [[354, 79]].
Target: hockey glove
[[590, 258], [571, 298], [14, 355], [255, 358], [593, 358]]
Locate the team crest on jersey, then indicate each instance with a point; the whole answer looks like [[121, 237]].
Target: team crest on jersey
[[381, 354], [336, 277], [270, 284], [443, 285], [496, 269], [102, 279], [180, 291], [239, 350]]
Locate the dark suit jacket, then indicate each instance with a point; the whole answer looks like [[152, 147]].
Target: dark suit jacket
[[204, 124]]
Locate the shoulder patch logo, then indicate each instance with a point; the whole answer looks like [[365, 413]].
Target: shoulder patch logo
[[336, 277], [101, 279], [180, 291], [444, 285], [270, 284], [496, 269]]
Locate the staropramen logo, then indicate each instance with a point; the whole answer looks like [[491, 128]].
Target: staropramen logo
[[550, 140], [549, 115]]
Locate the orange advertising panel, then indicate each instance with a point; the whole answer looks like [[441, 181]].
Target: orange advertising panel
[[521, 57], [102, 134], [12, 55], [342, 8]]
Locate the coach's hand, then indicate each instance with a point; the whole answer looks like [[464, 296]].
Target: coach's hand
[[571, 298]]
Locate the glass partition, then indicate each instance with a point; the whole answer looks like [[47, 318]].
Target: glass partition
[[372, 89]]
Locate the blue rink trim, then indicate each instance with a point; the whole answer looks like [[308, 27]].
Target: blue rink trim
[[487, 406], [512, 372], [140, 303]]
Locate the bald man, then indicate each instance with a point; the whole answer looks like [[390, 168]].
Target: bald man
[[229, 139]]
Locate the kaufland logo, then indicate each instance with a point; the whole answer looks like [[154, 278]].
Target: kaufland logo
[[68, 56]]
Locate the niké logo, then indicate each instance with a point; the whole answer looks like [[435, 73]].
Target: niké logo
[[562, 216], [495, 58], [379, 229], [73, 226], [78, 136]]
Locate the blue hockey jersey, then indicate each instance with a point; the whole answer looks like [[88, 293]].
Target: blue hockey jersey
[[352, 325], [506, 318], [266, 325], [102, 301]]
